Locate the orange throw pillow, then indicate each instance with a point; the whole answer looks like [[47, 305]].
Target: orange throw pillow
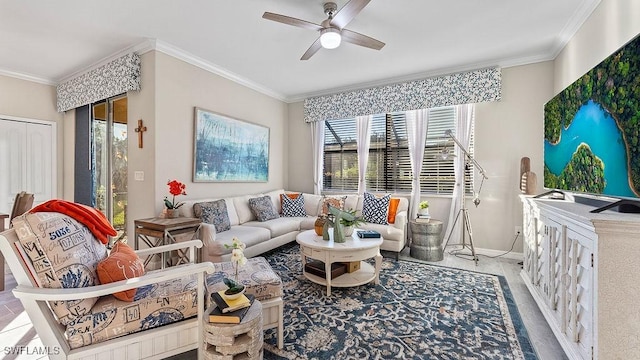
[[123, 263], [393, 209]]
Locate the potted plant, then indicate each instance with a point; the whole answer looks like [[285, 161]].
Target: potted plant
[[172, 208], [235, 288], [350, 222], [424, 208]]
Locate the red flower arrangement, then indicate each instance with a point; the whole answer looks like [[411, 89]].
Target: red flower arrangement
[[175, 188]]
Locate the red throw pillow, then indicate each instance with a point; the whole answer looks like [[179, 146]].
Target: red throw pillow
[[123, 263], [393, 209]]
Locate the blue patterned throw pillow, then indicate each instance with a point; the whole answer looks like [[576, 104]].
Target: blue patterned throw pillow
[[374, 209], [263, 208], [215, 213], [293, 206]]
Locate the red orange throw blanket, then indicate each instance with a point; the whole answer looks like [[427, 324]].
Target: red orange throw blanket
[[92, 218]]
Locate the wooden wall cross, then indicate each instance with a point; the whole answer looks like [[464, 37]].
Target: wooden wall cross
[[140, 129]]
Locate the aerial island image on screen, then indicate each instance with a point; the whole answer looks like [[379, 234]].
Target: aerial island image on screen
[[592, 129]]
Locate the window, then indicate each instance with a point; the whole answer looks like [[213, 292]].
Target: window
[[389, 166]]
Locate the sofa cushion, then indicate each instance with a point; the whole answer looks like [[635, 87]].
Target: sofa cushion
[[64, 254], [263, 208], [374, 209], [335, 201], [293, 205], [121, 264], [215, 213], [214, 248], [388, 233], [312, 204], [241, 203], [279, 226]]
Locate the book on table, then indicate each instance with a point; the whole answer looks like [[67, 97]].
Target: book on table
[[233, 317], [368, 234], [226, 305]]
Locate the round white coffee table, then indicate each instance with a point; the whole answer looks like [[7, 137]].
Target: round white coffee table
[[353, 249]]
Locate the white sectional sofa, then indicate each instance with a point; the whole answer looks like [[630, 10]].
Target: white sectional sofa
[[266, 235]]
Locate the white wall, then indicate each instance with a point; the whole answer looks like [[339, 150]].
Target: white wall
[[179, 88], [506, 130]]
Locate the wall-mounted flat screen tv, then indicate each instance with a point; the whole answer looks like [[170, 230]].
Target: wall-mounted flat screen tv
[[592, 129]]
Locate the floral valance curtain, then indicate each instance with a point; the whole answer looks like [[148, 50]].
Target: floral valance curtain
[[117, 77], [455, 89]]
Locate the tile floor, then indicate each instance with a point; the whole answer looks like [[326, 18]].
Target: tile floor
[[16, 328]]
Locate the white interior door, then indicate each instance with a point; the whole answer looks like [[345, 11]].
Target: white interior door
[[27, 160]]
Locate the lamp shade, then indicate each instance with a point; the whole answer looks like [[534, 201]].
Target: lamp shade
[[330, 38]]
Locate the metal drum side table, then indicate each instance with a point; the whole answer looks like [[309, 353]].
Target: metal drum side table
[[426, 240]]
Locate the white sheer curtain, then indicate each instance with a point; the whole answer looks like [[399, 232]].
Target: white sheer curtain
[[363, 139], [317, 143], [417, 124], [463, 134]]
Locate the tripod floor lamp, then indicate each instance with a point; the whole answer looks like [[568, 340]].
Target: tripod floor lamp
[[463, 212]]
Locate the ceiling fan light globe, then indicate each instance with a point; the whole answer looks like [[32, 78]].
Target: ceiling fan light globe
[[330, 38]]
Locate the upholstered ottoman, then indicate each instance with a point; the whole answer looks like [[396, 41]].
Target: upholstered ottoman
[[261, 281]]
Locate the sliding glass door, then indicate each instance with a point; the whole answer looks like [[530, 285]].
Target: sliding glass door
[[109, 160]]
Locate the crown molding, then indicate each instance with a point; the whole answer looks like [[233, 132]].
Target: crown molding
[[28, 77], [573, 25], [570, 29]]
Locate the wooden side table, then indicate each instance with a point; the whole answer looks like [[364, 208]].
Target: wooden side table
[[2, 217], [234, 341], [157, 231], [426, 240]]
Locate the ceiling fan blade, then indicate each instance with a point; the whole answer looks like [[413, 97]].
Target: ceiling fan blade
[[291, 21], [312, 50], [362, 40], [348, 12]]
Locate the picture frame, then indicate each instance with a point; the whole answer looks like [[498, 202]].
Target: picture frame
[[227, 149]]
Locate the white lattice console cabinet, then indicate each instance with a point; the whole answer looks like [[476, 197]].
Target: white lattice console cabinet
[[583, 270]]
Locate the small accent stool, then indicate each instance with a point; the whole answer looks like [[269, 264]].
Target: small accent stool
[[261, 281], [234, 341], [426, 240]]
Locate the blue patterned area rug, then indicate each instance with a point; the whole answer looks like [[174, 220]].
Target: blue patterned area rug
[[418, 311]]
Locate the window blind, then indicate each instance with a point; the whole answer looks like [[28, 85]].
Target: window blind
[[389, 164]]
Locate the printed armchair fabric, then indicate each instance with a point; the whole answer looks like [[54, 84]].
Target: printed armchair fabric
[[154, 305], [63, 254]]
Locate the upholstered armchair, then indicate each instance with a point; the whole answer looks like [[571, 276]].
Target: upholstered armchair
[[151, 316]]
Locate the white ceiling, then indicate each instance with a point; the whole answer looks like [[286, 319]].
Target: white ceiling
[[49, 41]]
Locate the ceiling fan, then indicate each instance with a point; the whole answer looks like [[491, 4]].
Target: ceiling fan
[[331, 30]]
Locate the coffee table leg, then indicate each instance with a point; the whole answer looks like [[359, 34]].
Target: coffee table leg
[[327, 271], [378, 267]]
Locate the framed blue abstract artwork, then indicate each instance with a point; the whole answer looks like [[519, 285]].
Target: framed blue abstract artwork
[[229, 150]]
